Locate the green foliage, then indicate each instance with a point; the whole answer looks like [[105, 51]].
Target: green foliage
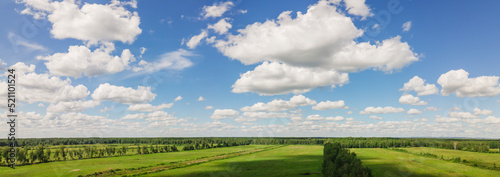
[[339, 162]]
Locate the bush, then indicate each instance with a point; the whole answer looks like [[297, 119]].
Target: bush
[[339, 162]]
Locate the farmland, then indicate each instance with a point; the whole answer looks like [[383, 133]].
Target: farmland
[[257, 157]]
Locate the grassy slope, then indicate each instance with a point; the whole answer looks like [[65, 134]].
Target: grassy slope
[[87, 166], [386, 162], [292, 160], [487, 159]]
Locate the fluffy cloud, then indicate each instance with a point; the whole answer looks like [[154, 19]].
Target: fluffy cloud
[[280, 105], [217, 9], [221, 27], [266, 115], [406, 26], [410, 99], [375, 117], [149, 107], [87, 22], [478, 111], [224, 114], [178, 98], [492, 120], [381, 110], [176, 60], [462, 115], [314, 117], [201, 98], [322, 37], [358, 7], [418, 85], [195, 40], [337, 118], [125, 95], [272, 78], [430, 109], [414, 111], [324, 105], [72, 106], [35, 87], [80, 60], [458, 82]]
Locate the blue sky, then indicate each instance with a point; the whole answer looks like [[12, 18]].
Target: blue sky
[[280, 68]]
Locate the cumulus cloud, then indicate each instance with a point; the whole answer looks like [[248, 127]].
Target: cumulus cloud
[[375, 117], [414, 111], [178, 98], [149, 107], [381, 110], [176, 60], [209, 107], [195, 40], [322, 37], [336, 118], [35, 87], [280, 105], [87, 22], [217, 9], [124, 95], [430, 109], [324, 105], [266, 115], [410, 99], [478, 111], [458, 82], [201, 98], [492, 120], [462, 115], [358, 7], [80, 60], [221, 27], [418, 85], [406, 26], [72, 106], [224, 114], [271, 78], [315, 117]]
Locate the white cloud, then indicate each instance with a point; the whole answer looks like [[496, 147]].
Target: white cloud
[[105, 109], [324, 105], [87, 22], [178, 98], [72, 106], [381, 110], [410, 99], [175, 60], [280, 105], [462, 115], [209, 107], [314, 117], [80, 60], [414, 111], [143, 50], [478, 111], [201, 98], [267, 115], [217, 9], [336, 118], [431, 109], [322, 37], [17, 40], [221, 27], [358, 7], [349, 112], [41, 105], [406, 26], [375, 26], [271, 78], [125, 95], [243, 11], [35, 87], [195, 40], [458, 82], [149, 107], [375, 117], [224, 114], [418, 85], [492, 120]]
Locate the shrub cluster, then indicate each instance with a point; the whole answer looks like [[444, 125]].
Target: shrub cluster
[[339, 162]]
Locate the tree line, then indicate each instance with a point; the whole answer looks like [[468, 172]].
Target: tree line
[[339, 162]]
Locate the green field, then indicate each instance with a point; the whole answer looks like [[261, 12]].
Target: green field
[[293, 160], [385, 162], [486, 159], [88, 166]]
